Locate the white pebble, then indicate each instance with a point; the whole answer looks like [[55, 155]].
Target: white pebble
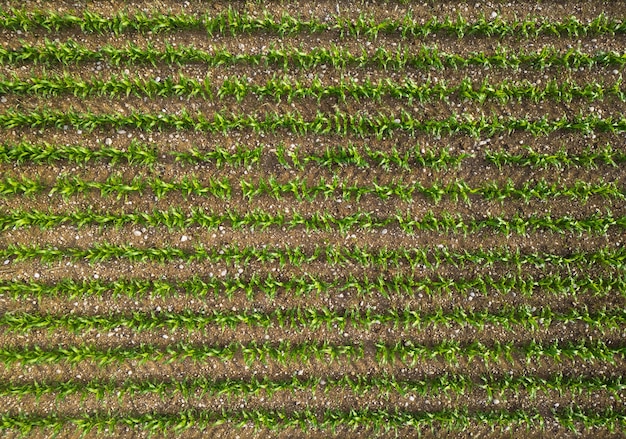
[[184, 238], [384, 232], [36, 275], [96, 276], [108, 141], [7, 262], [3, 99], [494, 14], [137, 232]]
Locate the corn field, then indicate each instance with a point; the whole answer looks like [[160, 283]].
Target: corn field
[[310, 220]]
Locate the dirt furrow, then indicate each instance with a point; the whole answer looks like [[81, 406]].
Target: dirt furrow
[[326, 9]]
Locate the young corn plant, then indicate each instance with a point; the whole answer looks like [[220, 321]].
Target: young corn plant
[[234, 22], [309, 286], [407, 353], [414, 258], [384, 386], [136, 154], [176, 218], [71, 52], [589, 159], [279, 88], [311, 319]]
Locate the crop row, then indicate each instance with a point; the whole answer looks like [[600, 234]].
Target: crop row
[[312, 319], [296, 256], [359, 124], [343, 155], [383, 386], [284, 88], [233, 22], [572, 418], [145, 155], [561, 159], [298, 187], [304, 286], [70, 52], [404, 352], [259, 219]]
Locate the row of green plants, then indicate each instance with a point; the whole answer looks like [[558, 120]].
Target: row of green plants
[[340, 123], [136, 153], [301, 190], [177, 218], [382, 385], [572, 418], [289, 89], [297, 256], [301, 318], [406, 159], [271, 286], [70, 52], [234, 22], [285, 352], [561, 159]]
